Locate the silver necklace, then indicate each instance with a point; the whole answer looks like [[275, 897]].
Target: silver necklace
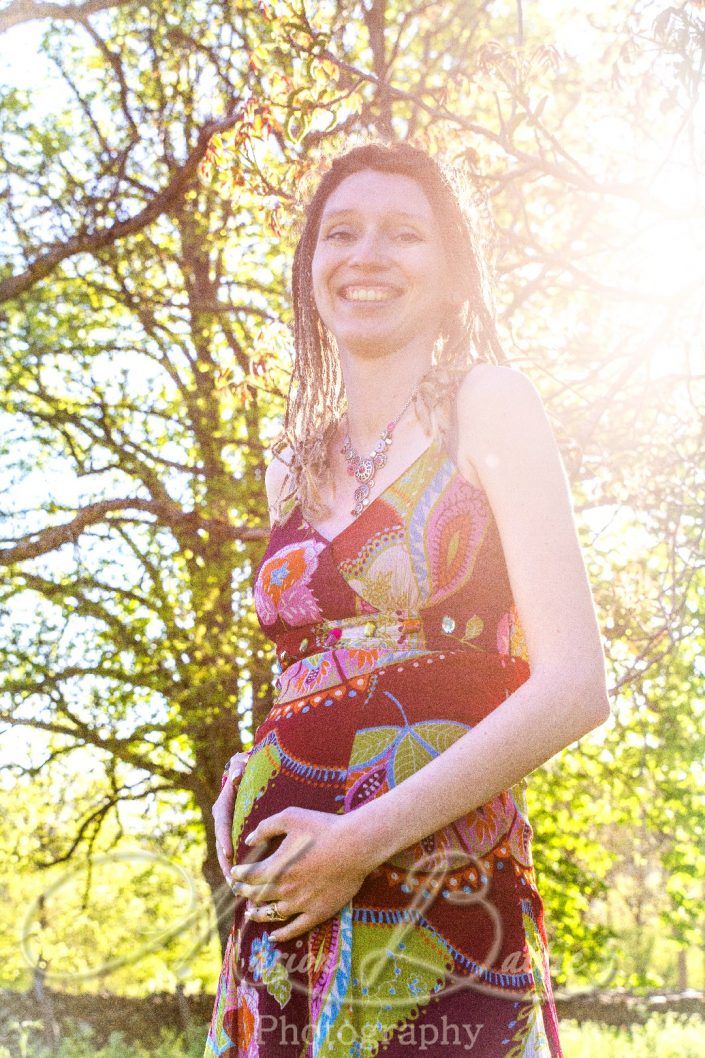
[[365, 468]]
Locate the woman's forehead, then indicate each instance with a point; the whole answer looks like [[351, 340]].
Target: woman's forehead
[[372, 191]]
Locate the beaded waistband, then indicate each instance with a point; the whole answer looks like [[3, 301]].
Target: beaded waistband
[[327, 653], [361, 631]]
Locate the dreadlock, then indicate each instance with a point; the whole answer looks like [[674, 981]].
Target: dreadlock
[[316, 397]]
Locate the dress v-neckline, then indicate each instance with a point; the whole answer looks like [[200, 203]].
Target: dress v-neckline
[[330, 541]]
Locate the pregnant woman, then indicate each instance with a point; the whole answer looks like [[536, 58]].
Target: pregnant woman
[[426, 593]]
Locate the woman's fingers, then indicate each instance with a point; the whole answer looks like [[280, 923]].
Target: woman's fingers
[[237, 766], [223, 816], [225, 859], [223, 812], [223, 835]]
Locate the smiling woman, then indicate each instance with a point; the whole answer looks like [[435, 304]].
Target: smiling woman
[[382, 286], [380, 821]]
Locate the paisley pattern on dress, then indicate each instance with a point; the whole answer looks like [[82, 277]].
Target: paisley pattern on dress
[[283, 588], [393, 639]]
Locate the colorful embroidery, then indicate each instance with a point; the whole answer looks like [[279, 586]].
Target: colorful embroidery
[[263, 764], [395, 638], [282, 589], [265, 966]]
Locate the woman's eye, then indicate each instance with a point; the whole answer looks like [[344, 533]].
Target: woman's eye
[[341, 235]]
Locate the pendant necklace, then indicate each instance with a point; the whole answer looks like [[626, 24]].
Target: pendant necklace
[[365, 469]]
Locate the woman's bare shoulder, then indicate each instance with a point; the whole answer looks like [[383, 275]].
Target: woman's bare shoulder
[[492, 399], [493, 393], [498, 381]]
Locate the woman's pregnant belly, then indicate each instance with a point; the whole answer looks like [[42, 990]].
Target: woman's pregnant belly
[[336, 747]]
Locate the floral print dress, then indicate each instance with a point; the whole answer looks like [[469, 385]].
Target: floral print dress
[[394, 639]]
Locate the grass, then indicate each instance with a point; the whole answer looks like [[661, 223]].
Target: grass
[[667, 1035]]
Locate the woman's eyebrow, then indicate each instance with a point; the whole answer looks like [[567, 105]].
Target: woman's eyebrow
[[392, 213]]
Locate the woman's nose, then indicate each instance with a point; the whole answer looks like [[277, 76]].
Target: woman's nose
[[369, 247]]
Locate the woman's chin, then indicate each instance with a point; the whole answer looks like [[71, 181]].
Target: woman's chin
[[373, 342], [370, 344]]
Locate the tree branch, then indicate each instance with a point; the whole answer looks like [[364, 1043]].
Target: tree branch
[[20, 11], [92, 242], [55, 536]]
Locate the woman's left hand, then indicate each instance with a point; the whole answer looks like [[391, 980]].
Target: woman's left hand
[[314, 872]]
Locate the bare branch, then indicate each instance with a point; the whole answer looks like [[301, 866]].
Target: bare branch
[[49, 539], [20, 11], [163, 202]]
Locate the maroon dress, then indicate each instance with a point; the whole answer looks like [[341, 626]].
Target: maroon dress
[[395, 638]]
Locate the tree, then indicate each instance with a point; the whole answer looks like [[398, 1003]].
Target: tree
[[145, 318]]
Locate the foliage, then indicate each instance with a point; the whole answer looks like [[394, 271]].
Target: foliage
[[668, 1035], [151, 207]]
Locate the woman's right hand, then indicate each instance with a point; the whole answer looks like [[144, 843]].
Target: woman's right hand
[[223, 813]]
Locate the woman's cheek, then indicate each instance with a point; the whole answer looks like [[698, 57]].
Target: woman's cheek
[[322, 302]]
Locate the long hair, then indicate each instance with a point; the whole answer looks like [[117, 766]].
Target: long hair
[[316, 397]]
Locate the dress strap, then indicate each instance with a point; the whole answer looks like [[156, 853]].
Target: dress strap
[[453, 433]]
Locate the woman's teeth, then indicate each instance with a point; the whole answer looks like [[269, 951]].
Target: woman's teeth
[[368, 293]]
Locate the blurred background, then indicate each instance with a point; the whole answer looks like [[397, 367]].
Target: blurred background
[[154, 162]]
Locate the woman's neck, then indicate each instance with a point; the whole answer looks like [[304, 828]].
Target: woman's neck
[[377, 391]]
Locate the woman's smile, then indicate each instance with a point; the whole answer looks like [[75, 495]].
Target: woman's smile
[[369, 294]]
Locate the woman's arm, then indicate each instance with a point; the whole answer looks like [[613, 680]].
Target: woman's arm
[[223, 807], [505, 434]]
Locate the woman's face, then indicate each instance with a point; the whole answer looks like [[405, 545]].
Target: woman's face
[[380, 274]]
